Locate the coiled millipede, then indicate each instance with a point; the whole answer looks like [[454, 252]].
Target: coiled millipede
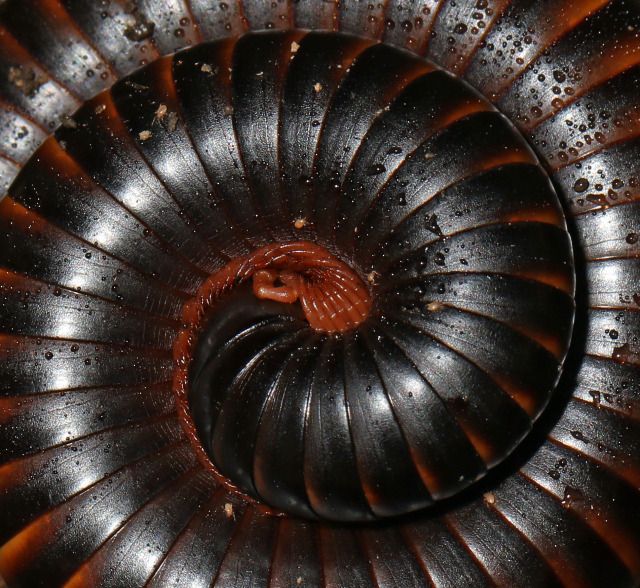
[[308, 293]]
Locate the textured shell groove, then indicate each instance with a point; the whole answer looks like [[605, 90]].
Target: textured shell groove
[[464, 174]]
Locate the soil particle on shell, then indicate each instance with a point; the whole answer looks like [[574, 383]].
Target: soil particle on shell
[[27, 80], [139, 28]]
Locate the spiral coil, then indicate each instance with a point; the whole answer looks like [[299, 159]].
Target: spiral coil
[[446, 165]]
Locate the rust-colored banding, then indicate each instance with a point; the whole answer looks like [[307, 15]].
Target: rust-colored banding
[[331, 294]]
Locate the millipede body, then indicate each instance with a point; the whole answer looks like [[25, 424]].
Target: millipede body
[[305, 293]]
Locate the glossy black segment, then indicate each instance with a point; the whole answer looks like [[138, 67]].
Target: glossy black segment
[[58, 365], [511, 192], [379, 445], [315, 64], [44, 420], [331, 473], [375, 77], [259, 68], [528, 378], [47, 32], [543, 313], [278, 467], [440, 551], [532, 250], [55, 188], [125, 493], [252, 547], [242, 409], [157, 524], [516, 429], [196, 555], [466, 405], [584, 565], [484, 531], [296, 559], [469, 146], [55, 476], [427, 105], [206, 100], [169, 151]]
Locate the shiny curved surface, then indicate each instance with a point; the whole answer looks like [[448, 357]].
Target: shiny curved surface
[[102, 483]]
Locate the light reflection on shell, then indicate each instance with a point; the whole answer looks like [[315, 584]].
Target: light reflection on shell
[[437, 194]]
